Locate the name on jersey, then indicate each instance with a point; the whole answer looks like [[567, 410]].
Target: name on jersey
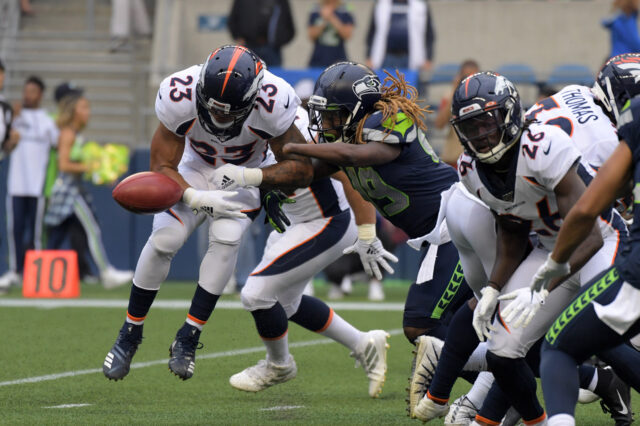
[[579, 106]]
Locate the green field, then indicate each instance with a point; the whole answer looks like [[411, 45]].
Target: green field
[[52, 357]]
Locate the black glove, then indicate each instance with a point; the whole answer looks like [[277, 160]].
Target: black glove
[[272, 202]]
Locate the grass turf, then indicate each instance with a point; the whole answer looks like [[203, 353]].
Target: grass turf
[[328, 390]]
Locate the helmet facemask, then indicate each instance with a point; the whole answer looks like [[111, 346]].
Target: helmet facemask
[[332, 123], [608, 99], [487, 134]]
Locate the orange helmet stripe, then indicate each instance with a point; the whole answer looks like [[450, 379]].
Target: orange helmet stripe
[[236, 55]]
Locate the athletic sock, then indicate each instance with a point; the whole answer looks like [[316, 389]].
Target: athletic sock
[[480, 389], [202, 305], [587, 377], [458, 346], [272, 327], [140, 301], [560, 382]]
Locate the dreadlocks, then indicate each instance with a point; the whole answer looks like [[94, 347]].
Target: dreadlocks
[[397, 95]]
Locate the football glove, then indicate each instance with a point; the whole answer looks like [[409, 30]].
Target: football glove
[[371, 254], [229, 177], [548, 271], [525, 303], [483, 313], [272, 202], [213, 203]]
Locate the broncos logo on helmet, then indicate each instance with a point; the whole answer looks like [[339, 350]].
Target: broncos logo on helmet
[[227, 89], [617, 83]]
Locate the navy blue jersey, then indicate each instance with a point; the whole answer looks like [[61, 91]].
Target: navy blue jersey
[[629, 131], [406, 190]]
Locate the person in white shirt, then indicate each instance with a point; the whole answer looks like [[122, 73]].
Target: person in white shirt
[[25, 182]]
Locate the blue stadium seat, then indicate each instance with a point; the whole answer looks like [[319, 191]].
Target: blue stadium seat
[[518, 73], [444, 73], [571, 74]]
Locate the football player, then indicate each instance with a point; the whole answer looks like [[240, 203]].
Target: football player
[[529, 175], [582, 113], [228, 110], [321, 227], [607, 307]]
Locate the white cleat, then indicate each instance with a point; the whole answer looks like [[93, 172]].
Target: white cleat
[[112, 277], [371, 353], [585, 396], [428, 410], [264, 375], [426, 357], [461, 413], [9, 279]]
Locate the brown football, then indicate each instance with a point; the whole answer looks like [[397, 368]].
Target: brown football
[[147, 193]]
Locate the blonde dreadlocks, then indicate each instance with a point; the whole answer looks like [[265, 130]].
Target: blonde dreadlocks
[[397, 95]]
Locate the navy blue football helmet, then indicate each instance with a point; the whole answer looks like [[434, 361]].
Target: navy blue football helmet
[[617, 83], [227, 89], [487, 115], [343, 94]]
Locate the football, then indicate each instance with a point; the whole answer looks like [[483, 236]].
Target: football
[[147, 193]]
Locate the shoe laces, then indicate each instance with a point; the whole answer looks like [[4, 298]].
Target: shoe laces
[[189, 342], [129, 339]]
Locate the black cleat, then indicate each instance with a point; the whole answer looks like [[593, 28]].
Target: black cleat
[[183, 351], [118, 361], [616, 397]]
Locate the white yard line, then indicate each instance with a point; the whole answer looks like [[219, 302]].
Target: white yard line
[[224, 354], [68, 406], [176, 304], [282, 407]]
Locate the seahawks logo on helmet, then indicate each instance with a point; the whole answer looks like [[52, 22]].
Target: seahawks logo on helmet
[[369, 84]]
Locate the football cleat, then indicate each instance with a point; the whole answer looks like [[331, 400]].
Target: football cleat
[[112, 278], [585, 396], [371, 353], [423, 367], [616, 399], [427, 410], [461, 413], [264, 375], [118, 361], [183, 351]]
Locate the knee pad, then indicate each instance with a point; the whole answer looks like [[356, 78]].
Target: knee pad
[[226, 231], [167, 240]]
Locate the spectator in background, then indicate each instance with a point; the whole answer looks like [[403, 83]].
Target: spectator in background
[[127, 15], [400, 35], [26, 8], [623, 26], [452, 148], [330, 25], [263, 26], [25, 183], [69, 210], [8, 137]]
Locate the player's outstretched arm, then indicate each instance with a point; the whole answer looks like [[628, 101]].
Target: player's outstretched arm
[[348, 155], [166, 152], [291, 170]]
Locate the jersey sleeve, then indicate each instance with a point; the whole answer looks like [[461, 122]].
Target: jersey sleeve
[[277, 105], [176, 100], [398, 131], [555, 156], [629, 127]]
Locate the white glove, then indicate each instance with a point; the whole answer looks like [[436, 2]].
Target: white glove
[[371, 254], [483, 313], [213, 203], [524, 306], [548, 271], [230, 177]]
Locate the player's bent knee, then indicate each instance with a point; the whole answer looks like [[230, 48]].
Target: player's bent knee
[[412, 333], [226, 231], [167, 240], [253, 300]]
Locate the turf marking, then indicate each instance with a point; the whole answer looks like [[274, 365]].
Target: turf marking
[[282, 407], [68, 406], [176, 304], [213, 355]]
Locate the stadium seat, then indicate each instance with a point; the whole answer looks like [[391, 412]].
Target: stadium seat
[[444, 73], [571, 74], [518, 73]]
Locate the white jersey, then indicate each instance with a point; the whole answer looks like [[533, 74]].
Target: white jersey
[[545, 155], [272, 116], [323, 198], [28, 162], [573, 109]]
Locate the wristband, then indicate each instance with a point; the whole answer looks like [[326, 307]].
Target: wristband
[[252, 176], [367, 231], [555, 266], [188, 194]]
